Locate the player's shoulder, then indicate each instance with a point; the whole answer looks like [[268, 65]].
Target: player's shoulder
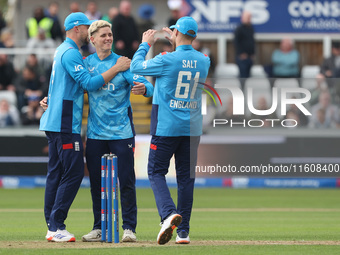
[[168, 56], [113, 60], [70, 56], [164, 54], [202, 55], [69, 51], [87, 58], [115, 55], [68, 46]]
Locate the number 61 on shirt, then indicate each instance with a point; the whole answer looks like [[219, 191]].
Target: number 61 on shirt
[[182, 89]]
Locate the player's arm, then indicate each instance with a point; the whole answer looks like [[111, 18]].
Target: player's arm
[[152, 67], [140, 88], [122, 64], [140, 85], [73, 63]]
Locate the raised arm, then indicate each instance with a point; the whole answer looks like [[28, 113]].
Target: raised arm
[[139, 65]]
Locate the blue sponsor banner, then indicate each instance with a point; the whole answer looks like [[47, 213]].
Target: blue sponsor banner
[[284, 183], [199, 183], [15, 182], [268, 16], [28, 182]]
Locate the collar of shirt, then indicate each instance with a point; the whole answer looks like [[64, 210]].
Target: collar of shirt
[[109, 57], [70, 41], [184, 47]]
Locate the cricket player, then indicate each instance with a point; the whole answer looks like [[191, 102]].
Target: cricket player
[[62, 123], [176, 121], [110, 129]]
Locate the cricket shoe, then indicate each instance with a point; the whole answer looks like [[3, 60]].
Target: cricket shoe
[[182, 237], [94, 236], [63, 236], [50, 235], [168, 226], [129, 236]]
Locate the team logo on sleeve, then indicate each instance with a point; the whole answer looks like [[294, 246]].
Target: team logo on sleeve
[[78, 68], [136, 76]]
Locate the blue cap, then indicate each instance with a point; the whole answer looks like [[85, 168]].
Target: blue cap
[[186, 24], [76, 19]]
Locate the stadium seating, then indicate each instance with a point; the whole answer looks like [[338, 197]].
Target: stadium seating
[[308, 76], [257, 71], [309, 83], [224, 93], [227, 71], [286, 83], [260, 88], [310, 71]]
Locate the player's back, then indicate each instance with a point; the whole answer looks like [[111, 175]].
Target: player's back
[[177, 97]]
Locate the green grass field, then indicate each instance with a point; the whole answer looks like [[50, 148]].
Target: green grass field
[[224, 221]]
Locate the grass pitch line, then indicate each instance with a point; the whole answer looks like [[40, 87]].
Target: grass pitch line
[[81, 245], [27, 210]]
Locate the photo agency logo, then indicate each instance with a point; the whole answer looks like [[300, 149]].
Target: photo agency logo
[[204, 98], [246, 114]]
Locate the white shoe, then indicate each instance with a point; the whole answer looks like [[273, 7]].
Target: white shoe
[[50, 235], [94, 236], [168, 226], [182, 238], [65, 232], [129, 236], [63, 236]]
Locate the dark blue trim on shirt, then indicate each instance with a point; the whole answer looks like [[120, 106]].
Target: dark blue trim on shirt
[[131, 122], [67, 116], [154, 119]]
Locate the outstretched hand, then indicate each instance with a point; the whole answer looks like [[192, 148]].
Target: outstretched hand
[[169, 31], [138, 88], [149, 36]]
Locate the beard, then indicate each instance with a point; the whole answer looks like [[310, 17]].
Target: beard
[[85, 40]]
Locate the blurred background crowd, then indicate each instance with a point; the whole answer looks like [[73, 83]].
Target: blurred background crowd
[[26, 54]]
